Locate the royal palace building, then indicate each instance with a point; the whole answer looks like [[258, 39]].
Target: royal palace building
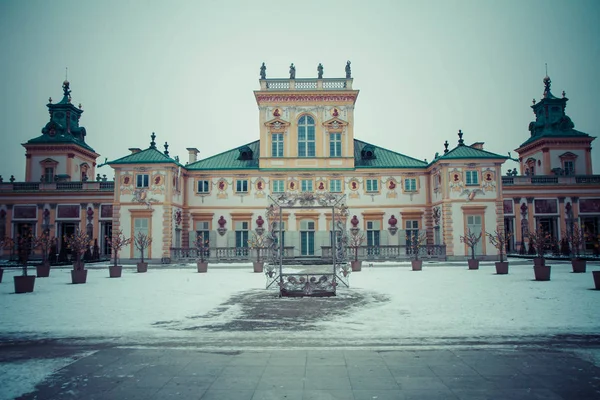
[[306, 144]]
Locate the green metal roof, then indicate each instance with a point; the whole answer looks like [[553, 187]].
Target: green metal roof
[[149, 156], [229, 159], [463, 151], [549, 132], [59, 138], [383, 158]]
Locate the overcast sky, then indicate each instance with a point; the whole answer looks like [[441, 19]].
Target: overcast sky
[[187, 70]]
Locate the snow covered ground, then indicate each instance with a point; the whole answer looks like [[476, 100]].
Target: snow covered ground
[[442, 303], [20, 377], [388, 305]]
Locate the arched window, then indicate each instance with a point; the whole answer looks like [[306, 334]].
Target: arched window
[[306, 136]]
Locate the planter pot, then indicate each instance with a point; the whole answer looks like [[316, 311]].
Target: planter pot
[[78, 276], [142, 267], [417, 265], [202, 266], [473, 264], [24, 284], [542, 272], [596, 275], [43, 270], [539, 261], [502, 268], [115, 272], [578, 266], [356, 265], [1, 273], [258, 266]]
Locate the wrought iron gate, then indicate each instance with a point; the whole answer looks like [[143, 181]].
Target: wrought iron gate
[[307, 284]]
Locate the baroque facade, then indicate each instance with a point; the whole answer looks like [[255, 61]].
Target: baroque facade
[[306, 144]]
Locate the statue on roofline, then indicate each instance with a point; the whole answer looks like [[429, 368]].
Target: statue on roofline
[[348, 72], [320, 71], [263, 71], [292, 71]]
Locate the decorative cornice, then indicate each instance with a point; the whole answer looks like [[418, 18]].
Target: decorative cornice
[[305, 97], [60, 148], [560, 141]]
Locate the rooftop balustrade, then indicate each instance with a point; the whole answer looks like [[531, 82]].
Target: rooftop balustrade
[[57, 186], [306, 84], [547, 180]]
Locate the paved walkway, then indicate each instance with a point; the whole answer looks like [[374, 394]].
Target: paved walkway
[[167, 373]]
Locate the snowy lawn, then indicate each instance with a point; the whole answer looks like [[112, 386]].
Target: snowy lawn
[[442, 301]]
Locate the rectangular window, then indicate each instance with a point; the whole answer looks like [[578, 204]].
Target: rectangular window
[[307, 185], [335, 145], [140, 225], [412, 228], [202, 229], [372, 185], [241, 238], [335, 185], [569, 168], [241, 186], [410, 185], [277, 145], [278, 186], [142, 181], [48, 174], [306, 142], [203, 187], [373, 234], [472, 178]]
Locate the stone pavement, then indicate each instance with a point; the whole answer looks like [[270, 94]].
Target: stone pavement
[[476, 374]]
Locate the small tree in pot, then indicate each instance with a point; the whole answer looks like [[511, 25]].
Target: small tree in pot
[[78, 243], [471, 239], [142, 241], [25, 243], [117, 242], [538, 239], [356, 240], [576, 239], [46, 243], [258, 243], [498, 239], [202, 247], [416, 242], [6, 243]]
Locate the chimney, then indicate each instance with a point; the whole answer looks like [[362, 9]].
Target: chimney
[[134, 150], [478, 145], [193, 154]]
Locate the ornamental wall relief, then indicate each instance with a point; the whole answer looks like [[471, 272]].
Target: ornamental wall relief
[[259, 188], [157, 185], [456, 180], [126, 186], [392, 185], [488, 183], [222, 186], [353, 184], [321, 185]]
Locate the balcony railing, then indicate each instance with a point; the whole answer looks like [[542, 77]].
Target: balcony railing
[[391, 252], [375, 253], [223, 254], [57, 186], [306, 84], [543, 180]]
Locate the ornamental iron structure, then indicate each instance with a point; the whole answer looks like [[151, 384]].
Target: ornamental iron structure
[[307, 284]]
